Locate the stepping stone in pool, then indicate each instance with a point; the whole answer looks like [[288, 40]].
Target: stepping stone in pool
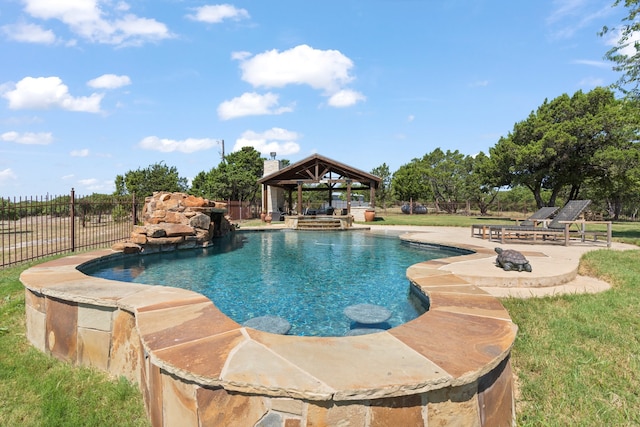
[[367, 314], [273, 324], [363, 331]]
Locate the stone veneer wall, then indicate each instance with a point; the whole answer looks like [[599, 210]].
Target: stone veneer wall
[[176, 221], [106, 338]]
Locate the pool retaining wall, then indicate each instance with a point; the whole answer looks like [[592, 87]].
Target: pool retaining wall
[[196, 367]]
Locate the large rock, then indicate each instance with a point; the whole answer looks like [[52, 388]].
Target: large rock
[[163, 241], [155, 231], [173, 230], [177, 221], [138, 239], [200, 220], [126, 247], [194, 202]]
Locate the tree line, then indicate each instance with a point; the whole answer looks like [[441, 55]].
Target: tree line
[[570, 147], [96, 206]]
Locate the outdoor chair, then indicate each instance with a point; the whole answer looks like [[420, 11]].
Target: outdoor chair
[[542, 214], [563, 224]]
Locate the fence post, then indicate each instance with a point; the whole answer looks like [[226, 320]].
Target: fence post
[[73, 220], [134, 212]]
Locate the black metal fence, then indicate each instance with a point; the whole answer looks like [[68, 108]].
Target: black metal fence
[[36, 227]]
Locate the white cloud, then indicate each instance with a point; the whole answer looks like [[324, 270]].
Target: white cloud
[[88, 20], [567, 17], [411, 118], [80, 153], [251, 104], [42, 93], [327, 70], [97, 186], [345, 98], [189, 145], [240, 55], [28, 138], [215, 14], [277, 140], [7, 174], [109, 81], [591, 63], [565, 8], [29, 33], [20, 120], [88, 182], [628, 46]]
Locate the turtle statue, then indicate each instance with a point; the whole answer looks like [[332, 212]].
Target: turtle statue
[[511, 260]]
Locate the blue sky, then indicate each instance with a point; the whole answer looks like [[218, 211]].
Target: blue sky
[[90, 89]]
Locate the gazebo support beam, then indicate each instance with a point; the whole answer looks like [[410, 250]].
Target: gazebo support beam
[[372, 196], [299, 198], [348, 197], [264, 198]]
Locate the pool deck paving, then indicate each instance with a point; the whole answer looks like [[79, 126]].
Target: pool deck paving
[[554, 266]]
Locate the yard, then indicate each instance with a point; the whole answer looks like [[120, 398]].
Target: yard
[[576, 357]]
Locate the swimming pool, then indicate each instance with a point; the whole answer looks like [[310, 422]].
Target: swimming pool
[[306, 278], [196, 366]]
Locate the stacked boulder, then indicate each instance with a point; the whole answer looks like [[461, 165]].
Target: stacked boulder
[[177, 221]]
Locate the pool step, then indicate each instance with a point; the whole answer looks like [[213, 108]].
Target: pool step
[[319, 224]]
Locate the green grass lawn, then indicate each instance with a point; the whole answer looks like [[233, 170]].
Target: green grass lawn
[[576, 357], [39, 390]]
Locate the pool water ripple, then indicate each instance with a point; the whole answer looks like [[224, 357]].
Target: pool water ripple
[[306, 278]]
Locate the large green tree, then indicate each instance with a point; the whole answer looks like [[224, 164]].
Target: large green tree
[[555, 146], [619, 183], [447, 174], [478, 189], [156, 177], [450, 179], [236, 178], [410, 182], [384, 189]]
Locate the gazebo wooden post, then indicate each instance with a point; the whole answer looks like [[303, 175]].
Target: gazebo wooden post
[[264, 197], [348, 197], [372, 194], [290, 201], [299, 197]]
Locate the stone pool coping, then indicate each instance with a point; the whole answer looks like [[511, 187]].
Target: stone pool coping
[[465, 335]]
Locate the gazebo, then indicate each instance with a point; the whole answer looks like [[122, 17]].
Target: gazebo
[[318, 173]]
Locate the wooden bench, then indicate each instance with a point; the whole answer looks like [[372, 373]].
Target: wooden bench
[[537, 234]]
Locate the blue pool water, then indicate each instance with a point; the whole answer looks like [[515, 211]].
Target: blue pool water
[[307, 278]]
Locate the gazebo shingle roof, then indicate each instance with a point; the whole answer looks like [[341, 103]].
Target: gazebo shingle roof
[[319, 169]]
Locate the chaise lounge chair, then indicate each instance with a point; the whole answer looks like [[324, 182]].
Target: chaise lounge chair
[[560, 226], [537, 217]]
